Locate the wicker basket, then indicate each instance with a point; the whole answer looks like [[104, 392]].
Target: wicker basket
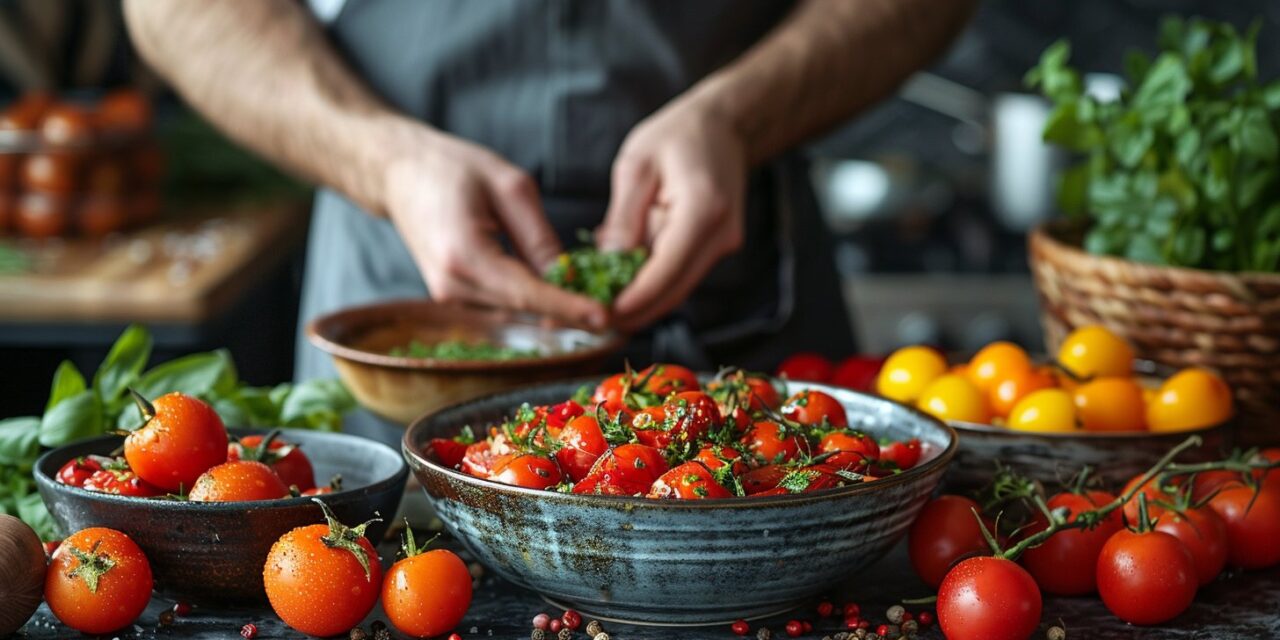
[[1228, 322]]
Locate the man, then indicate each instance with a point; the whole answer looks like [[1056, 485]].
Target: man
[[441, 129]]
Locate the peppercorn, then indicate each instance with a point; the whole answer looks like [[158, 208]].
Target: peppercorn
[[565, 634], [764, 634], [601, 636], [538, 634], [377, 625], [166, 618], [381, 634], [843, 635], [249, 631], [894, 614], [1056, 633], [541, 621], [181, 609], [594, 629], [554, 625], [910, 626], [357, 634], [571, 619], [925, 619]]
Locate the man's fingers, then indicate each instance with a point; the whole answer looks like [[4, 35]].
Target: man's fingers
[[635, 184], [502, 281], [519, 208], [678, 251]]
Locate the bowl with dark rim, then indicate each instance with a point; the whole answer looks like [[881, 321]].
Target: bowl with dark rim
[[401, 388], [214, 552], [1054, 458], [678, 562]]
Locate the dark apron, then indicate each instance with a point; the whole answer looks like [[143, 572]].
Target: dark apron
[[554, 86]]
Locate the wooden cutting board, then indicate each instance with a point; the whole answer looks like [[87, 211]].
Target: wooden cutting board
[[184, 269]]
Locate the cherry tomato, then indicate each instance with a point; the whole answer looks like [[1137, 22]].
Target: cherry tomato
[[1110, 404], [944, 532], [1006, 393], [582, 443], [322, 579], [1204, 534], [1046, 410], [684, 418], [1153, 492], [559, 415], [428, 592], [815, 407], [772, 442], [632, 465], [98, 581], [66, 125], [449, 452], [908, 371], [716, 456], [42, 215], [478, 459], [610, 394], [810, 367], [996, 362], [284, 458], [1064, 564], [852, 450], [762, 479], [1093, 351], [121, 482], [743, 390], [954, 397], [1191, 399], [1252, 531], [1146, 578], [238, 481], [526, 470], [665, 379], [988, 598], [1207, 483], [1270, 477], [51, 172], [857, 372], [689, 481], [77, 470], [903, 454], [182, 438]]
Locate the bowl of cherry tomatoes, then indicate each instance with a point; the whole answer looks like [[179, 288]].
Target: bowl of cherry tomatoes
[[657, 496], [1093, 404], [205, 503]]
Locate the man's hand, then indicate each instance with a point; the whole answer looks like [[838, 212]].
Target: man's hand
[[679, 184], [450, 199]]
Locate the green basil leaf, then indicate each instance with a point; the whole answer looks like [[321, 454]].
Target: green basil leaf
[[75, 418], [318, 404], [67, 382], [127, 358], [1257, 138], [19, 441], [31, 509], [1166, 85]]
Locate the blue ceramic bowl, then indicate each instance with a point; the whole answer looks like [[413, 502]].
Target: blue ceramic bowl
[[213, 552], [678, 562]]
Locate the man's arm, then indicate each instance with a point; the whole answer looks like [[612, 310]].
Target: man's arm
[[679, 179], [263, 71]]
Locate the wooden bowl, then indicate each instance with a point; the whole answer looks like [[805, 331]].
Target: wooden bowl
[[403, 388]]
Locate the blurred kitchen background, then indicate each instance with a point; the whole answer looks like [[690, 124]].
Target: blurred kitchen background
[[930, 195]]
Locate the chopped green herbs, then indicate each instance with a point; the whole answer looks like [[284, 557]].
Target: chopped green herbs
[[594, 273], [461, 350]]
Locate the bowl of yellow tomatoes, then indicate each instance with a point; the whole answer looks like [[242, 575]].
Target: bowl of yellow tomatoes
[[1091, 404]]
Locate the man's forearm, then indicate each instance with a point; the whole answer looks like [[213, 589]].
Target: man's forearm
[[826, 62], [263, 71]]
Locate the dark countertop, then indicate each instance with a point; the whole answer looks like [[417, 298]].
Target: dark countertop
[[1240, 607]]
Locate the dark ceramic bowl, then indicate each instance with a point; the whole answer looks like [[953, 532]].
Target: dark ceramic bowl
[[672, 561], [214, 552], [403, 388]]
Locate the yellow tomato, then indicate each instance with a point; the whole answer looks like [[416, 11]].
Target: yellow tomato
[[1111, 404], [996, 362], [908, 371], [1050, 410], [954, 397], [1006, 394], [1191, 399], [1093, 351]]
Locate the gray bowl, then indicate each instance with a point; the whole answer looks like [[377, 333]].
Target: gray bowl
[[214, 552], [678, 562]]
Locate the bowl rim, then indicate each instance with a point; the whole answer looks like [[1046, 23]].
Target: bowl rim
[[1082, 435], [317, 330], [936, 464], [398, 478]]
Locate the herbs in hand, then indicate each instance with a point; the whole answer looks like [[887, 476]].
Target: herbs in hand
[[597, 274]]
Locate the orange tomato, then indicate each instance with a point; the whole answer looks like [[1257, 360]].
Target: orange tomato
[[954, 397], [1093, 351], [1191, 399], [1004, 396], [238, 481], [908, 371], [426, 593], [183, 437], [98, 581], [1111, 404], [996, 362]]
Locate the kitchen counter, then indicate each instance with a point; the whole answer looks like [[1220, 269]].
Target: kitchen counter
[[1243, 607]]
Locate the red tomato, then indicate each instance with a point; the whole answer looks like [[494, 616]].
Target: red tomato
[[559, 415], [689, 481], [813, 408], [98, 581], [773, 443], [284, 458], [426, 593], [478, 459], [1204, 534], [121, 482], [526, 470], [1146, 578], [1064, 564], [598, 484], [611, 393], [1153, 493], [858, 372], [987, 598], [77, 470], [582, 443], [810, 367], [633, 464], [1253, 532], [448, 452], [852, 449], [740, 390], [684, 418], [238, 481], [1206, 483], [944, 532], [903, 454], [716, 456], [182, 438], [663, 380], [1271, 477]]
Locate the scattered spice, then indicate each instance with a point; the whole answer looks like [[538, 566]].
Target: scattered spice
[[740, 627], [764, 634], [1056, 633], [357, 634], [249, 631], [538, 634], [895, 614], [166, 618], [594, 629], [565, 634]]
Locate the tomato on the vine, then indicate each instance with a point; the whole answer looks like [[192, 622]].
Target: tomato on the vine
[[689, 481], [582, 442], [1146, 577], [182, 438], [427, 592], [1253, 525], [945, 531], [526, 470], [988, 598], [238, 481], [98, 581], [1065, 563], [811, 407], [1204, 534], [284, 458]]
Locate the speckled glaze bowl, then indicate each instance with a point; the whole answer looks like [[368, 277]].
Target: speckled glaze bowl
[[213, 552], [671, 561], [403, 388]]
